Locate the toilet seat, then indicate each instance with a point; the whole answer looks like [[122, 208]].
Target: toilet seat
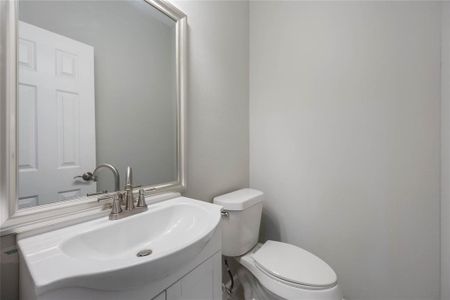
[[280, 285], [294, 265]]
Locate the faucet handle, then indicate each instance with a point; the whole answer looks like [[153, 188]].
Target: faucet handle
[[141, 199], [116, 205]]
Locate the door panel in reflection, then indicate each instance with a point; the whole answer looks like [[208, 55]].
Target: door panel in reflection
[[56, 108]]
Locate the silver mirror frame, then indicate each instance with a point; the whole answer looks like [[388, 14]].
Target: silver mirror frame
[[77, 210]]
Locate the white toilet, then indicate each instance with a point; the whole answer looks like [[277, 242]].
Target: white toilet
[[272, 270]]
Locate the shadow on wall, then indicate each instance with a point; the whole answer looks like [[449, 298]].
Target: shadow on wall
[[270, 228]]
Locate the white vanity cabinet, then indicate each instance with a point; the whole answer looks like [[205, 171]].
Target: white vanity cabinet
[[203, 283]]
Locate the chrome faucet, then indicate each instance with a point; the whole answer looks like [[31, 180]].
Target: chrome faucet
[[91, 176], [126, 198]]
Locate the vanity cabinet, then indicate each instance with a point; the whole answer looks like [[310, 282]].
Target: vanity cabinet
[[202, 283]]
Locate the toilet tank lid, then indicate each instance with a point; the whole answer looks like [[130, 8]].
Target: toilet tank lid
[[240, 199]]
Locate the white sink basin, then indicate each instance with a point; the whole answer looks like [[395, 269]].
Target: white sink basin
[[102, 254], [161, 230]]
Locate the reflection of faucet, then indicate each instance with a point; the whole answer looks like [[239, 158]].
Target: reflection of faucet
[[90, 176]]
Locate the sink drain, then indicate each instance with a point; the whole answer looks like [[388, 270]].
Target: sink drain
[[145, 252]]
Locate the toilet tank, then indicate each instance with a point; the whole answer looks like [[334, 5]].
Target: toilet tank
[[240, 223]]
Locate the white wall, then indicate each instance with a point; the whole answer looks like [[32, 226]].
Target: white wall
[[218, 134], [345, 138], [445, 187]]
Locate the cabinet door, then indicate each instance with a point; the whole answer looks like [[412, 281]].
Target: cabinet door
[[203, 283]]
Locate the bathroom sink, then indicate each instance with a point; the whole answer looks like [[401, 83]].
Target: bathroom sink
[[122, 254], [160, 230]]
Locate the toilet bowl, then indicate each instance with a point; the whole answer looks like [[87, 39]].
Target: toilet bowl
[[270, 270], [308, 277]]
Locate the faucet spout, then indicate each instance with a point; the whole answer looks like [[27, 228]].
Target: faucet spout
[[113, 170]]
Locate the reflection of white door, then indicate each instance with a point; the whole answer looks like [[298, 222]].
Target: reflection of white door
[[56, 116]]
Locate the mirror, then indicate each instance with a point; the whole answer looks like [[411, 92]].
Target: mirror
[[97, 82]]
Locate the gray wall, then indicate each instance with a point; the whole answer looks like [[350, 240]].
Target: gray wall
[[345, 138], [218, 133], [135, 82], [445, 154]]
